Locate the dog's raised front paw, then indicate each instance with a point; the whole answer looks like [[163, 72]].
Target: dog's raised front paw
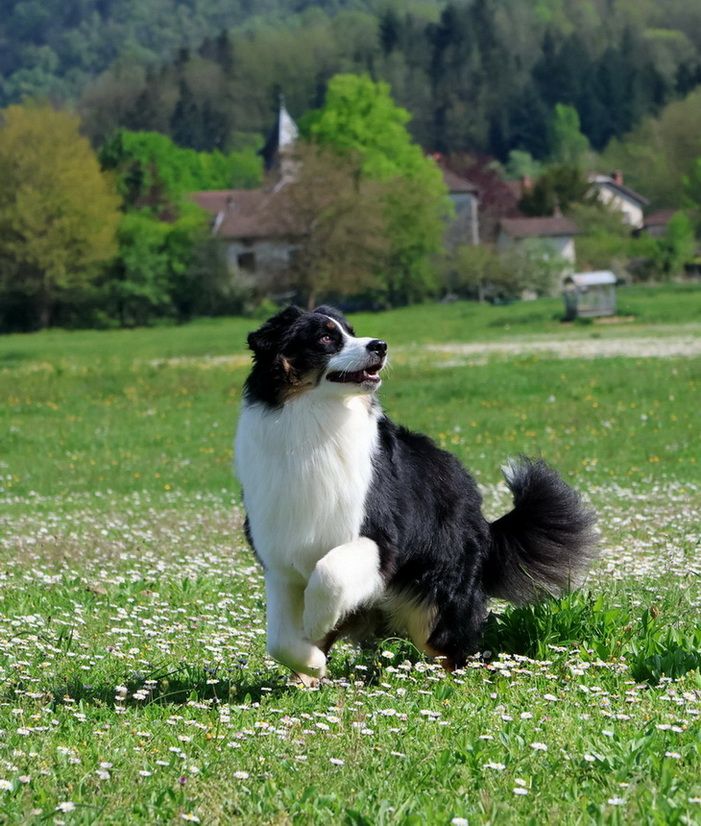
[[322, 605], [320, 617]]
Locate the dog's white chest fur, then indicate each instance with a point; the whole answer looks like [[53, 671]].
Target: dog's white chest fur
[[305, 469]]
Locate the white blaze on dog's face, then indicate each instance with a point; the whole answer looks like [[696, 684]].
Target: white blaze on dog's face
[[298, 352], [357, 364]]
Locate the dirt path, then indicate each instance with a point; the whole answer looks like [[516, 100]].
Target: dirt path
[[684, 346]]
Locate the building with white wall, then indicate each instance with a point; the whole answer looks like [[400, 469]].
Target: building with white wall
[[612, 192]]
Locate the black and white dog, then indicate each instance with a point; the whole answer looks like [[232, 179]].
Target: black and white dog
[[364, 527]]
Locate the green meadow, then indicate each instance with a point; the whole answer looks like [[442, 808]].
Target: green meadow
[[134, 685]]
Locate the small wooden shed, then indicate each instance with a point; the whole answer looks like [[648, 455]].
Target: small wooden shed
[[590, 294]]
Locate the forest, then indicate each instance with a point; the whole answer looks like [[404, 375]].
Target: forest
[[478, 75]]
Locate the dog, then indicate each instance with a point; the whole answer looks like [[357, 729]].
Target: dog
[[365, 528]]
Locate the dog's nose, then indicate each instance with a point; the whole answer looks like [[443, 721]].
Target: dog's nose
[[377, 346]]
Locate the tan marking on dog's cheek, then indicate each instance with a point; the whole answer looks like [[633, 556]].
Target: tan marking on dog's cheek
[[298, 384]]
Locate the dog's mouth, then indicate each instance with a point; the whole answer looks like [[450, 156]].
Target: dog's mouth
[[371, 375]]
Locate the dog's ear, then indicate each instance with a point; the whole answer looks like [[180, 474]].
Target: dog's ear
[[267, 339], [327, 309]]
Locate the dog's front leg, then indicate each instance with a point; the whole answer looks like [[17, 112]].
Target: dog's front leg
[[347, 577], [286, 642]]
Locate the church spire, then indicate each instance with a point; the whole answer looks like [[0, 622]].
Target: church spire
[[282, 137]]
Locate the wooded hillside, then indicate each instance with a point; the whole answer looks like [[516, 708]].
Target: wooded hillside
[[479, 75]]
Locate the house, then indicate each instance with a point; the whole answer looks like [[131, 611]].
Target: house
[[498, 199], [464, 226], [257, 231], [612, 192], [258, 238], [556, 231]]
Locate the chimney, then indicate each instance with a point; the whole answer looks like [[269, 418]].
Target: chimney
[[617, 177]]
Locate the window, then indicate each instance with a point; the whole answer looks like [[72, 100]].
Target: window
[[246, 261]]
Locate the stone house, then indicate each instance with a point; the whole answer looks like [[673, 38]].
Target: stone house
[[252, 224], [258, 244]]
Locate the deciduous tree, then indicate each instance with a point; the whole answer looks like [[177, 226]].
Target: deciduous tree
[[359, 118], [58, 212], [338, 217]]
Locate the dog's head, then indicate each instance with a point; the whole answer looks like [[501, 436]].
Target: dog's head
[[297, 352]]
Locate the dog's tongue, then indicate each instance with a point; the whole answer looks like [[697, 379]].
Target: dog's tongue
[[357, 377]]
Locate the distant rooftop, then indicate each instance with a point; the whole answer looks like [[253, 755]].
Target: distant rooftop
[[247, 213], [457, 183], [616, 182], [660, 218], [544, 227]]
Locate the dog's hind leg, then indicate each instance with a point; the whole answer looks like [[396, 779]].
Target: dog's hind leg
[[286, 641], [345, 579]]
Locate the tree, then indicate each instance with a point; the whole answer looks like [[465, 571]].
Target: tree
[[528, 123], [359, 118], [475, 272], [604, 242], [660, 152], [139, 286], [675, 248], [153, 172], [482, 273], [158, 272], [560, 186], [522, 164], [569, 144], [534, 265], [58, 212], [692, 192], [339, 219], [390, 26]]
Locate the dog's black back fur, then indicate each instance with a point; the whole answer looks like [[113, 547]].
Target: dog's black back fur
[[424, 512]]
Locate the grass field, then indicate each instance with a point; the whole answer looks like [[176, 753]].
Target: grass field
[[134, 686]]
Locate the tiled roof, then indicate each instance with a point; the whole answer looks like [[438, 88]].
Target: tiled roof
[[659, 219], [545, 227], [457, 183], [247, 213]]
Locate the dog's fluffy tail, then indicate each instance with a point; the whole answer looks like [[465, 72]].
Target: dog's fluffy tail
[[546, 543]]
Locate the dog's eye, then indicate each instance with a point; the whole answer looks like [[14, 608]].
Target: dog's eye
[[325, 340]]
